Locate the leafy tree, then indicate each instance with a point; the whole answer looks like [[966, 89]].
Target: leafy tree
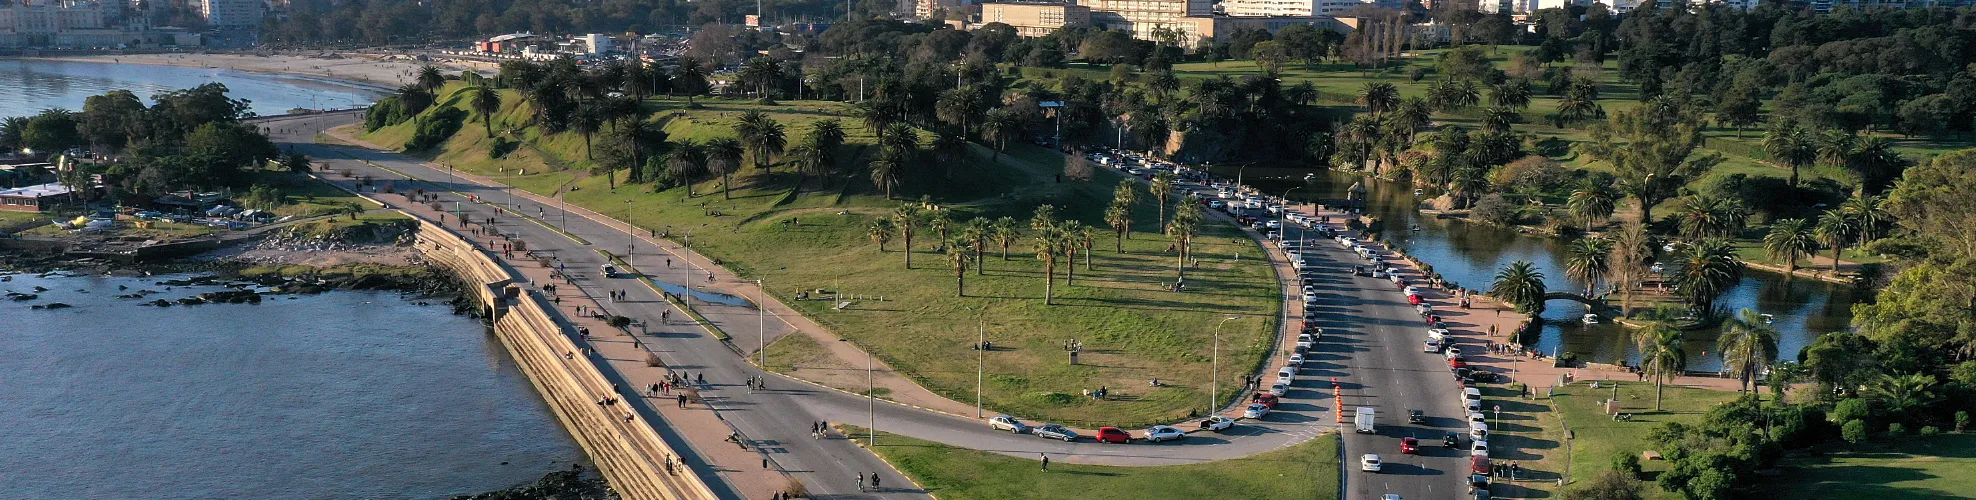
[[112, 119], [296, 162], [1790, 239], [1652, 151], [51, 131], [1748, 345], [1661, 355], [1853, 431], [1270, 56], [1520, 284], [1610, 485], [1740, 108]]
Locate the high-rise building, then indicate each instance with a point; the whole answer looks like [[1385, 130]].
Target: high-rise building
[[1141, 16], [232, 13], [1035, 19]]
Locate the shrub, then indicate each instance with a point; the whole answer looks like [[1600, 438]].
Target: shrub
[[1929, 430], [1852, 409], [652, 359], [433, 128], [502, 146], [1495, 209], [620, 321], [1962, 421], [1854, 431], [1626, 463], [1896, 429], [1612, 485]]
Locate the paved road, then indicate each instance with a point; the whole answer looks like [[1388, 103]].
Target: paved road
[[1371, 344]]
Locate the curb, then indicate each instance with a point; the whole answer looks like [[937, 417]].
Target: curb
[[892, 402], [888, 463]]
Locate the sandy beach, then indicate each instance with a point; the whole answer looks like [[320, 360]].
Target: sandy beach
[[381, 72]]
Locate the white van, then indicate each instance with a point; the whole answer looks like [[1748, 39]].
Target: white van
[[1364, 420], [1472, 394], [1286, 374]]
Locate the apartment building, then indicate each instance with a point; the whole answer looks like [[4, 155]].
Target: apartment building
[[232, 13], [1035, 19], [1141, 16]]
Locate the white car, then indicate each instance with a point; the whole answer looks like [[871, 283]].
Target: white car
[[1164, 433], [1217, 423], [1296, 360], [1431, 346], [1479, 449], [1279, 388], [1286, 374], [1007, 423], [1273, 224], [1310, 297], [1256, 410], [1452, 352], [1410, 291], [1369, 463], [1477, 417]]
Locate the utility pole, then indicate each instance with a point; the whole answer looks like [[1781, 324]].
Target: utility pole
[[1214, 382], [761, 322]]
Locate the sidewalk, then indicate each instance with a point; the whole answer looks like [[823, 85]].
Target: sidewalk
[[845, 354], [623, 353]]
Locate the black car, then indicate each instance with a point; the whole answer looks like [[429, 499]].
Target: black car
[[1452, 440], [1416, 417], [1481, 376], [1478, 481]]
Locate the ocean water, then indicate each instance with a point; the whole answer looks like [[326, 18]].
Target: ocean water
[[34, 85], [337, 395]]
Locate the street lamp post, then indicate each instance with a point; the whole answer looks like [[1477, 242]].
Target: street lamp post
[[1214, 380], [761, 322], [630, 239], [980, 357]]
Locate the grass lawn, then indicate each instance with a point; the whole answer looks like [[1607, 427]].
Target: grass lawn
[[1597, 437], [814, 238], [1914, 467], [1305, 471]]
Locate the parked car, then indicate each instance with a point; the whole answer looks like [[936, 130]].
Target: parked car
[[1298, 359], [1409, 446], [1054, 431], [1478, 480], [1279, 389], [1112, 435], [1431, 345], [1255, 410], [1482, 376], [1369, 463], [1479, 449], [1265, 399], [1159, 433], [1007, 423], [1217, 423]]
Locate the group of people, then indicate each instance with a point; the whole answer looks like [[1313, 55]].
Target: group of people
[[757, 382]]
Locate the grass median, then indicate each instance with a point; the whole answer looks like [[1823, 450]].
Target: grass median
[[1308, 470]]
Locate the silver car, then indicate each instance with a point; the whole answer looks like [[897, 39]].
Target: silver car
[[1053, 431], [1007, 423]]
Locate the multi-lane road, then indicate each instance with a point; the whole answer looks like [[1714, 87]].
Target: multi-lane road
[[1371, 345]]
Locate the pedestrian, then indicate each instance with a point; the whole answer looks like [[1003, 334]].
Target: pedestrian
[[861, 482], [874, 481], [764, 462], [1046, 461], [682, 400]]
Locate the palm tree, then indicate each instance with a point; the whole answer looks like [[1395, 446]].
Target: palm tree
[[826, 136], [763, 136], [1708, 268], [1867, 216], [1706, 216], [687, 160], [1048, 244], [1577, 104], [1589, 260], [1086, 238], [1592, 204], [1514, 93], [723, 158], [1837, 147], [998, 128], [1661, 355], [1005, 232], [1835, 230], [959, 107], [957, 257], [761, 72], [1521, 284], [886, 171], [1463, 95], [1790, 239], [880, 232], [976, 233], [907, 217], [430, 79], [1120, 218], [587, 120], [1162, 187], [1900, 393], [1792, 146], [1185, 225], [937, 218], [1379, 97], [1748, 346], [1498, 119], [487, 102], [1068, 232]]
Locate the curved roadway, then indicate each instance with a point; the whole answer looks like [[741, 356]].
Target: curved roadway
[[1371, 344]]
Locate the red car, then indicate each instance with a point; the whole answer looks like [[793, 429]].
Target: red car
[[1456, 362], [1112, 435], [1409, 446], [1265, 399]]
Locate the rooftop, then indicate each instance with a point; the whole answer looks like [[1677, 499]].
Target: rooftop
[[39, 191]]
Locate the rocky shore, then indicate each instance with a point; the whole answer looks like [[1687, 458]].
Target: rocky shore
[[578, 483]]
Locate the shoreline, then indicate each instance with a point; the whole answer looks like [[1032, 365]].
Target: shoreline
[[382, 74]]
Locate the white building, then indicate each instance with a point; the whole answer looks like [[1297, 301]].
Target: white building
[[232, 13], [1141, 16], [1301, 8], [597, 43]]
